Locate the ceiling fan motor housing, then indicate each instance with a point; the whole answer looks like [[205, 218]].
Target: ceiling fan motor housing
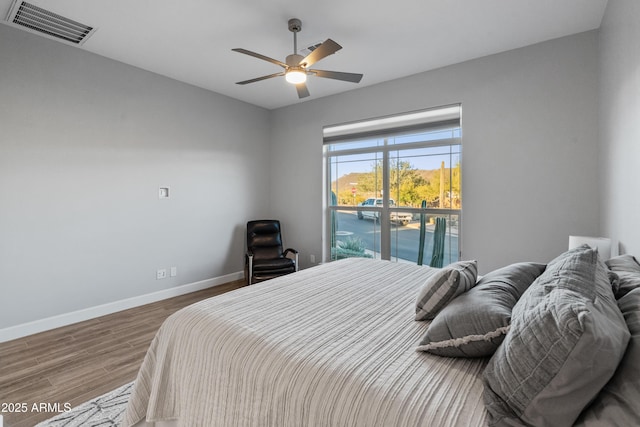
[[293, 60]]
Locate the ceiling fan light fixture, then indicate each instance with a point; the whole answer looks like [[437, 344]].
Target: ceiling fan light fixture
[[296, 76]]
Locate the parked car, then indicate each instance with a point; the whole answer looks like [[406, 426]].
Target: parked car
[[403, 218]]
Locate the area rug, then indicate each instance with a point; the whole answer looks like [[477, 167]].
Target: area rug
[[105, 410]]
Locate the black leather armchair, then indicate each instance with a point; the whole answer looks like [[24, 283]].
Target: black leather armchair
[[265, 257]]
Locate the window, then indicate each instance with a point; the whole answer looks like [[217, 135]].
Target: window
[[392, 180]]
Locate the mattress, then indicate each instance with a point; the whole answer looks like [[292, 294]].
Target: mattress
[[333, 345]]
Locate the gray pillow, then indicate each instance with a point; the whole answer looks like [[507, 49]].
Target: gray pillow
[[443, 286], [474, 324], [627, 269], [618, 404], [624, 262], [627, 281], [567, 337]]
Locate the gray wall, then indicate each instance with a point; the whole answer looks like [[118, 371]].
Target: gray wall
[[85, 142], [529, 156], [620, 123]]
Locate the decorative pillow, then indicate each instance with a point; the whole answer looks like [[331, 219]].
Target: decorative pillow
[[567, 337], [627, 268], [443, 286], [617, 402], [627, 282], [625, 262], [474, 324]]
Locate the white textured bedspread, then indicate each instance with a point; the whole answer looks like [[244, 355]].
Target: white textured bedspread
[[332, 345]]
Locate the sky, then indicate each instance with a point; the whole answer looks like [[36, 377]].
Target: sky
[[427, 158]]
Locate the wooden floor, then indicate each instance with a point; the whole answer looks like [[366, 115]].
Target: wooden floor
[[79, 362]]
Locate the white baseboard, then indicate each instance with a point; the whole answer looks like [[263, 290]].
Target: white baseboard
[[30, 328]]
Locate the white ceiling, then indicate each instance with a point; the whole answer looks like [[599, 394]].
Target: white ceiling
[[191, 40]]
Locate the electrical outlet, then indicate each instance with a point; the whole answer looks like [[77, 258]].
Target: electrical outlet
[[173, 272], [161, 274], [312, 258]]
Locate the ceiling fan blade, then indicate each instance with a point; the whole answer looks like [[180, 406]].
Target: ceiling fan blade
[[329, 47], [337, 75], [303, 92], [257, 79], [264, 58]]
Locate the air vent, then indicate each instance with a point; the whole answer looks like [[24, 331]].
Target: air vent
[[48, 23]]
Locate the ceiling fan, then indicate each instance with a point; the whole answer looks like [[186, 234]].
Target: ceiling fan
[[296, 67]]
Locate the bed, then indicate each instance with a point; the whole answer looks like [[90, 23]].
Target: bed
[[333, 345]]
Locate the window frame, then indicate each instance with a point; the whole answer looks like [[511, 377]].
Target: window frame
[[385, 210]]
